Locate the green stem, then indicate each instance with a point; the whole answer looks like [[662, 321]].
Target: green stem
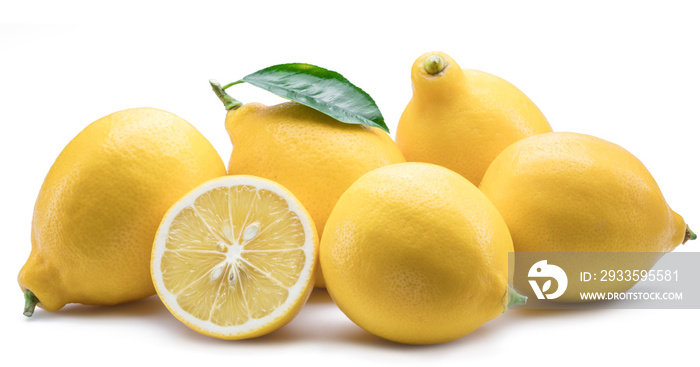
[[434, 64], [689, 234], [515, 298], [232, 84], [30, 302], [229, 102]]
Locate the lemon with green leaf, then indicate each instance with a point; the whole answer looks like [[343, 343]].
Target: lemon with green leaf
[[317, 145]]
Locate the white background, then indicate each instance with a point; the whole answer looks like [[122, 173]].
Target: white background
[[627, 72]]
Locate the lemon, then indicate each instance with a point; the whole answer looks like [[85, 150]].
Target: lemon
[[313, 155], [568, 192], [414, 253], [235, 258], [462, 119], [100, 205]]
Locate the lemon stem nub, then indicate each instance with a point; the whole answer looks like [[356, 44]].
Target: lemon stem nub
[[30, 302], [434, 64], [689, 234], [515, 298], [229, 102]]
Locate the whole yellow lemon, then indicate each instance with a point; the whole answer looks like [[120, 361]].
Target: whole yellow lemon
[[462, 119], [312, 154], [568, 192], [101, 203], [414, 253], [574, 192]]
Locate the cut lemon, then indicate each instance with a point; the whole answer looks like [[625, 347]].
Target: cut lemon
[[235, 257]]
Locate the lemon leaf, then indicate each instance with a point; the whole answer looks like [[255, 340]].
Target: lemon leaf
[[321, 89]]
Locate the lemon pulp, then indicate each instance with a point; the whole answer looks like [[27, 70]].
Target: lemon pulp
[[234, 256]]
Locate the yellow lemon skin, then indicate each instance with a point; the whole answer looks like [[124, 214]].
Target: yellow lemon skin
[[415, 254], [569, 192], [313, 155], [101, 203], [462, 119]]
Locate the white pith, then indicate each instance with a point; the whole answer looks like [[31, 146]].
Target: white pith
[[227, 267]]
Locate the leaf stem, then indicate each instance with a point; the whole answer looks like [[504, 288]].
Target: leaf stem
[[30, 302], [229, 102], [232, 84]]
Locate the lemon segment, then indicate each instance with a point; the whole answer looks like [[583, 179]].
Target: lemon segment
[[235, 258]]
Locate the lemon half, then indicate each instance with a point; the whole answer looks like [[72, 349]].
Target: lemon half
[[235, 258]]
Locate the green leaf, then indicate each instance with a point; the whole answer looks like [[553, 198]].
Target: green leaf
[[320, 89]]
